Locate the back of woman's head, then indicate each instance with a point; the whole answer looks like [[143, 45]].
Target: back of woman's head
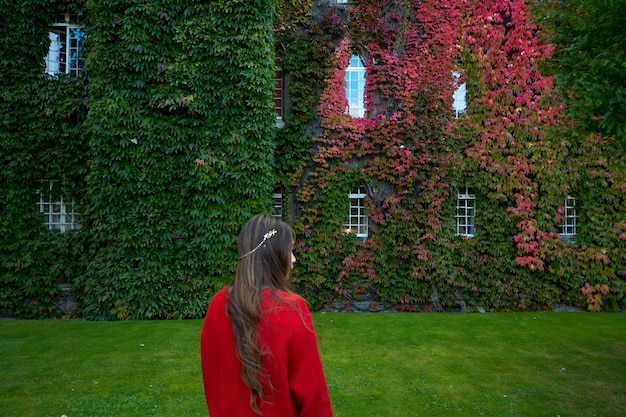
[[265, 247]]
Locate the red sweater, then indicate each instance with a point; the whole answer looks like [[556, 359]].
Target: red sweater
[[294, 367]]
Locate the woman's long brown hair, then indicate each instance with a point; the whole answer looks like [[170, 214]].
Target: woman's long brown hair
[[265, 266]]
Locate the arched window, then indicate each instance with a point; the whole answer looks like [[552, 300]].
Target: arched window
[[355, 87]]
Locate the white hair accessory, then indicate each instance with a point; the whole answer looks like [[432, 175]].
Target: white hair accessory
[[266, 237]]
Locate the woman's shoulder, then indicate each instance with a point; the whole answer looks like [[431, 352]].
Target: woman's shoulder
[[220, 297], [288, 296], [282, 300], [291, 296]]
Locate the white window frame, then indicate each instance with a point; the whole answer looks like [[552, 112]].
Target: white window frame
[[355, 86], [569, 226], [465, 213], [277, 205], [459, 104], [65, 53], [357, 222], [57, 214]]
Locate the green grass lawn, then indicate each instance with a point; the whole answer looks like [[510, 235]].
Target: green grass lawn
[[377, 365]]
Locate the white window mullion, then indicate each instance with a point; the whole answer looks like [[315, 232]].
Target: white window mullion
[[568, 228], [74, 58], [57, 215], [68, 50], [465, 213], [357, 222], [62, 216]]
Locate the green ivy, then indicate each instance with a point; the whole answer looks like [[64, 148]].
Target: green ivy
[[181, 137], [166, 142], [39, 139]]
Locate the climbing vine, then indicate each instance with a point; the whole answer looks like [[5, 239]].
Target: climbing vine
[[182, 141], [512, 148], [167, 143], [40, 139]]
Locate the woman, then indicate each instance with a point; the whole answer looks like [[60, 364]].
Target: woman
[[258, 346]]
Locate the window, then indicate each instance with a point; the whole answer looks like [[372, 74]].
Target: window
[[465, 213], [65, 53], [57, 214], [278, 93], [460, 90], [568, 227], [357, 222], [277, 205], [279, 98], [355, 87]]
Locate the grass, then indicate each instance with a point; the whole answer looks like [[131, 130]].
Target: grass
[[391, 365]]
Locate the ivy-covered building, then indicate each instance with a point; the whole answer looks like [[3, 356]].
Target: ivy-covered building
[[421, 155]]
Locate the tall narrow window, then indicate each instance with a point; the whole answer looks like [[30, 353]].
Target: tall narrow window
[[278, 98], [570, 220], [460, 90], [355, 87], [465, 212], [65, 53], [357, 221], [277, 204], [57, 213]]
